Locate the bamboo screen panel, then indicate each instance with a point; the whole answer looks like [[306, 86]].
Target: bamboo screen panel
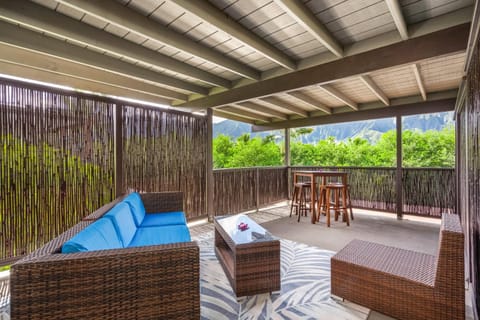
[[370, 188], [272, 185], [428, 191], [166, 151], [234, 190], [470, 175], [56, 164]]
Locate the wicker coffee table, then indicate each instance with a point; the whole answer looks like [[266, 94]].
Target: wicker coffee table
[[250, 258]]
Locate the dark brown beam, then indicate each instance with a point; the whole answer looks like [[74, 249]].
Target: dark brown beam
[[385, 112], [431, 45]]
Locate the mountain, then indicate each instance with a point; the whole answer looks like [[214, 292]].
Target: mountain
[[371, 129]]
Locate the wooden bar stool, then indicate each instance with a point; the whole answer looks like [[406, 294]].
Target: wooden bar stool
[[348, 201], [339, 204], [299, 199]]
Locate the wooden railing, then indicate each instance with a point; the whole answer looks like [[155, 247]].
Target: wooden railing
[[370, 188], [242, 189], [426, 191]]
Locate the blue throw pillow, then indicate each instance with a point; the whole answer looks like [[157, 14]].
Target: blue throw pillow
[[163, 219], [151, 236], [100, 235], [122, 218], [136, 204]]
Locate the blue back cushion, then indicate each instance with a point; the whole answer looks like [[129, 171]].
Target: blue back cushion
[[163, 219], [122, 218], [100, 235], [151, 236], [136, 204]]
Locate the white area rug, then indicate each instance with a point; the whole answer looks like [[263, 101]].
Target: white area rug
[[305, 292]]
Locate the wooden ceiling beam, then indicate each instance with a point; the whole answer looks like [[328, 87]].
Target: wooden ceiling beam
[[219, 113], [418, 77], [34, 41], [304, 16], [210, 14], [397, 15], [446, 41], [26, 72], [277, 102], [375, 89], [36, 16], [243, 113], [115, 13], [310, 101], [446, 102], [339, 96], [260, 109], [58, 66]]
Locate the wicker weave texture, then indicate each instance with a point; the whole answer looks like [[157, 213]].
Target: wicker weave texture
[[251, 268], [151, 282], [156, 202], [401, 283]]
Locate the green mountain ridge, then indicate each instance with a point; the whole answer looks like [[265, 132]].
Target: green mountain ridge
[[370, 130]]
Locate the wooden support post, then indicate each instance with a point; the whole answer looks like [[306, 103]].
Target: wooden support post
[[458, 158], [209, 166], [257, 190], [399, 183], [118, 149], [287, 160]]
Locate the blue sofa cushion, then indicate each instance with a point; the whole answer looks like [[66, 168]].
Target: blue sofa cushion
[[163, 219], [160, 235], [136, 204], [122, 218], [100, 235]]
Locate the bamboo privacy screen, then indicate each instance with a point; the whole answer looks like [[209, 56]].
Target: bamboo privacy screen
[[370, 188], [428, 191], [243, 189], [57, 160], [166, 151], [469, 167], [56, 164], [272, 185], [234, 190]]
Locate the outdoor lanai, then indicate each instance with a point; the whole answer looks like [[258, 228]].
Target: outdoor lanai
[[102, 99]]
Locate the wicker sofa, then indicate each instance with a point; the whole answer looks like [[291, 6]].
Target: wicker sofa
[[141, 282], [405, 284]]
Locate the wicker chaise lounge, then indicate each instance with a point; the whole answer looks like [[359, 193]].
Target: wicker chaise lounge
[[405, 284], [146, 282]]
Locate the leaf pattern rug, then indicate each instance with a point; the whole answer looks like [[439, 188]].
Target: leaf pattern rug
[[305, 288]]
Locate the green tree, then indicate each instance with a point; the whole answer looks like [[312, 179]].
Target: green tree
[[222, 151], [420, 149]]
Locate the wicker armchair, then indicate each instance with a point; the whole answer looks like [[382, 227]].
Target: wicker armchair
[[150, 282], [405, 284]]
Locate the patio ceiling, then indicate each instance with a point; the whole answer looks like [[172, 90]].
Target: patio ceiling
[[269, 63]]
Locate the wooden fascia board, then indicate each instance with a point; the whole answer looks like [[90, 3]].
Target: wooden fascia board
[[370, 114]]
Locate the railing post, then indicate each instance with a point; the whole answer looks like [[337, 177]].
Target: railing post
[[287, 159], [209, 166], [399, 182], [257, 191], [118, 149]]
